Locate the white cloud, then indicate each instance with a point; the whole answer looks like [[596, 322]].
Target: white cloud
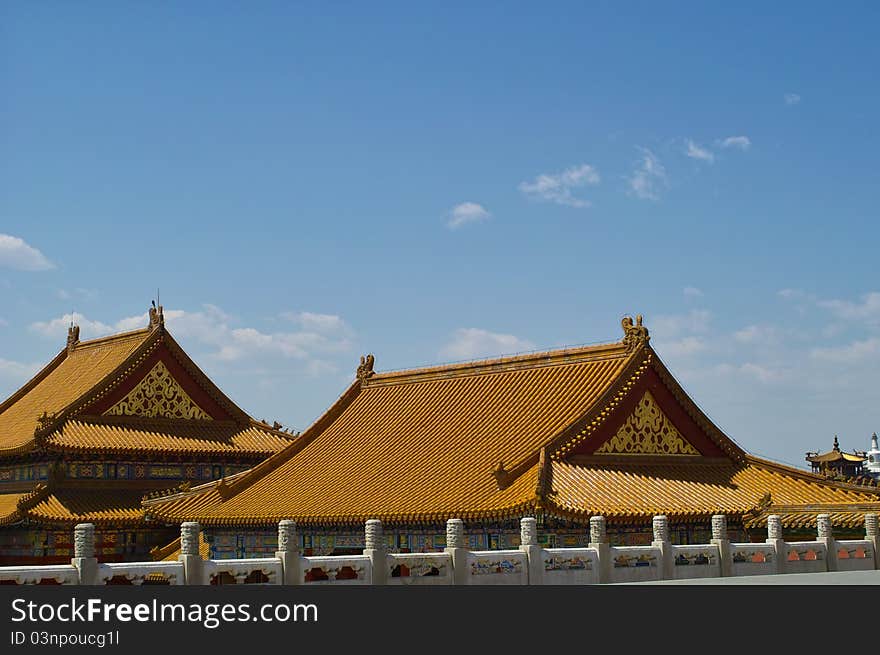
[[791, 98], [15, 253], [467, 212], [740, 142], [759, 372], [57, 327], [471, 343], [790, 293], [697, 152], [648, 178], [557, 187], [673, 326], [17, 371], [316, 322], [78, 293], [756, 334], [868, 308], [683, 347], [850, 353], [318, 335], [693, 292]]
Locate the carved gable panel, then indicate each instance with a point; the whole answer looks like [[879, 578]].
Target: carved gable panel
[[647, 431], [158, 395]]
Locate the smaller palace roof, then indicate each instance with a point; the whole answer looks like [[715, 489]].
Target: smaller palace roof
[[835, 455], [593, 430], [132, 395], [135, 392]]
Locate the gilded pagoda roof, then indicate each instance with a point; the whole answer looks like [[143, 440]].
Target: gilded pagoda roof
[[594, 430], [131, 392]]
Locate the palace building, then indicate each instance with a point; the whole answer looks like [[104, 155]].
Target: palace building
[[561, 436], [105, 423]]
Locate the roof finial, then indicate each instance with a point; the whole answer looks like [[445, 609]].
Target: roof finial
[[72, 335], [634, 335], [365, 370], [836, 444], [157, 318]]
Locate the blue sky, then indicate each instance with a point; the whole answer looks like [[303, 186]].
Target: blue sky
[[308, 182]]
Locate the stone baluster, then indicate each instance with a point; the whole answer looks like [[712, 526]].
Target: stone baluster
[[458, 551], [661, 540], [528, 543], [774, 538], [289, 554], [722, 543], [599, 542], [872, 536], [84, 553], [377, 550], [193, 567], [825, 536]]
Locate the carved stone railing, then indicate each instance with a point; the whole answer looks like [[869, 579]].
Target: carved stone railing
[[138, 573], [498, 567], [336, 570], [600, 563], [419, 569], [263, 570], [62, 574]]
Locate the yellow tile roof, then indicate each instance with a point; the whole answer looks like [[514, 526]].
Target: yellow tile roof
[[496, 439], [171, 551], [639, 491], [108, 504], [9, 506], [167, 436], [65, 379], [421, 445]]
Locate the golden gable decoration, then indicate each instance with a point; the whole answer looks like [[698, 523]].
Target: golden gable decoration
[[158, 395], [647, 431]]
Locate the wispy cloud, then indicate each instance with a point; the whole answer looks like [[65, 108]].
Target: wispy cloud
[[692, 292], [675, 325], [16, 371], [18, 255], [557, 187], [77, 294], [740, 142], [850, 353], [756, 334], [867, 309], [791, 98], [467, 212], [316, 337], [695, 151], [471, 343], [648, 178]]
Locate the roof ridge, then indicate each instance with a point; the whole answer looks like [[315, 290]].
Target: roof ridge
[[119, 336], [38, 377], [563, 355]]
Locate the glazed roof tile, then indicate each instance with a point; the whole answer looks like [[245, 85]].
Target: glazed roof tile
[[412, 445], [166, 436], [61, 382]]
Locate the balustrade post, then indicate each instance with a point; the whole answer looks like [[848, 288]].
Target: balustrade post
[[774, 538], [661, 540], [872, 536], [455, 546], [599, 543], [377, 551], [84, 553], [722, 543], [825, 536], [288, 553], [193, 567], [528, 543]]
